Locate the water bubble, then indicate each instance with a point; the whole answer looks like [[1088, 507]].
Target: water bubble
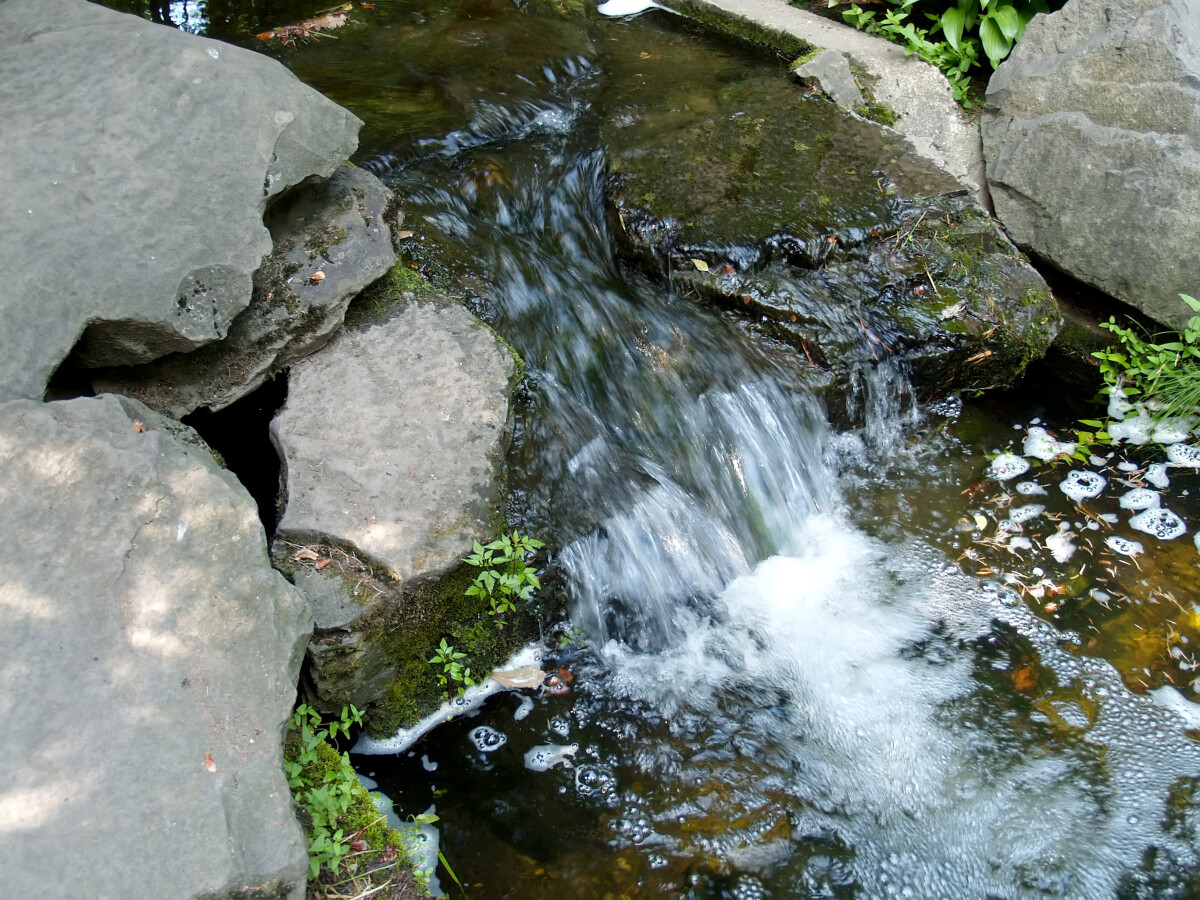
[[1008, 465], [547, 756], [596, 781], [1025, 513], [1081, 484], [1031, 489], [1184, 455], [1160, 522], [1041, 445], [1157, 476], [1018, 544], [1171, 431], [1139, 499], [1121, 545], [487, 740], [560, 726]]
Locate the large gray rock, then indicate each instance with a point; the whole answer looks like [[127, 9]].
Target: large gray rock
[[150, 664], [138, 161], [1092, 138], [333, 228], [389, 437]]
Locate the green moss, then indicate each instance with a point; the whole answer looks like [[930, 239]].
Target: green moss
[[746, 30], [362, 820], [401, 282], [877, 112], [320, 241]]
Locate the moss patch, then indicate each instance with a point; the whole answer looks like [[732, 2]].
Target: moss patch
[[402, 282]]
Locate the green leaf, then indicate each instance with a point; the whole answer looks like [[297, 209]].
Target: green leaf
[[953, 21], [995, 44], [1010, 23]]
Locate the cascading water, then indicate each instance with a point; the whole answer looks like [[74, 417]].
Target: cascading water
[[776, 702], [780, 696]]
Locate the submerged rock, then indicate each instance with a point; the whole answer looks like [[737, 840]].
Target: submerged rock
[[330, 241], [390, 438], [830, 234], [151, 664], [1091, 134], [141, 238]]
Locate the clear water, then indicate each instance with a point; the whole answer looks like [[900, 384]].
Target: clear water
[[790, 678]]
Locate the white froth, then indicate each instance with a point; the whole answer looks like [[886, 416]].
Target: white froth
[[1023, 514], [1008, 465], [1031, 489], [487, 739], [1061, 546], [1184, 455], [1157, 476], [546, 756], [1081, 484], [1123, 546], [1160, 522], [1139, 499], [1041, 444]]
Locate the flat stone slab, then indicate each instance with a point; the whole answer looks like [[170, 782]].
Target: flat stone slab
[[917, 92], [150, 663], [331, 241], [390, 437], [138, 161]]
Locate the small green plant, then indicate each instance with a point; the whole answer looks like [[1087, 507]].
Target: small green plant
[[973, 30], [324, 793], [505, 575], [1165, 375], [452, 671]]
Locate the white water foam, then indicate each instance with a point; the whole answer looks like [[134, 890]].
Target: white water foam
[[860, 735]]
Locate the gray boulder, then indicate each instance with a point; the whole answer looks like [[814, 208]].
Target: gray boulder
[[389, 437], [150, 665], [138, 163], [334, 229], [1092, 139], [392, 440]]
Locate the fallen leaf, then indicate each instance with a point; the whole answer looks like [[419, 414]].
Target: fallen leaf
[[138, 425], [1024, 678], [700, 264], [359, 846], [527, 677], [304, 555], [403, 235], [317, 276], [208, 762], [322, 563], [729, 270]]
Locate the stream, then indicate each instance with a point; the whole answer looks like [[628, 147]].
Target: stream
[[785, 678]]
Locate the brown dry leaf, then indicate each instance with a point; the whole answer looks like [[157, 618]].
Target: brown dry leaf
[[1024, 678], [529, 677], [139, 425], [208, 762], [322, 563], [304, 555]]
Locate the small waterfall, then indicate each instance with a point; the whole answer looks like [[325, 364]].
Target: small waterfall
[[802, 705]]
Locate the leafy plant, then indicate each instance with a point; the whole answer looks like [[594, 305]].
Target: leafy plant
[[973, 29], [1166, 375], [324, 793], [505, 575], [453, 671]]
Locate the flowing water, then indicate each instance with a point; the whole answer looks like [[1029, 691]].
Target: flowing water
[[785, 684]]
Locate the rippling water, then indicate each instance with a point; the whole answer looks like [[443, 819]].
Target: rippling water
[[784, 683]]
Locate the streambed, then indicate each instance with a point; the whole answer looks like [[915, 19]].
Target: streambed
[[802, 665]]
